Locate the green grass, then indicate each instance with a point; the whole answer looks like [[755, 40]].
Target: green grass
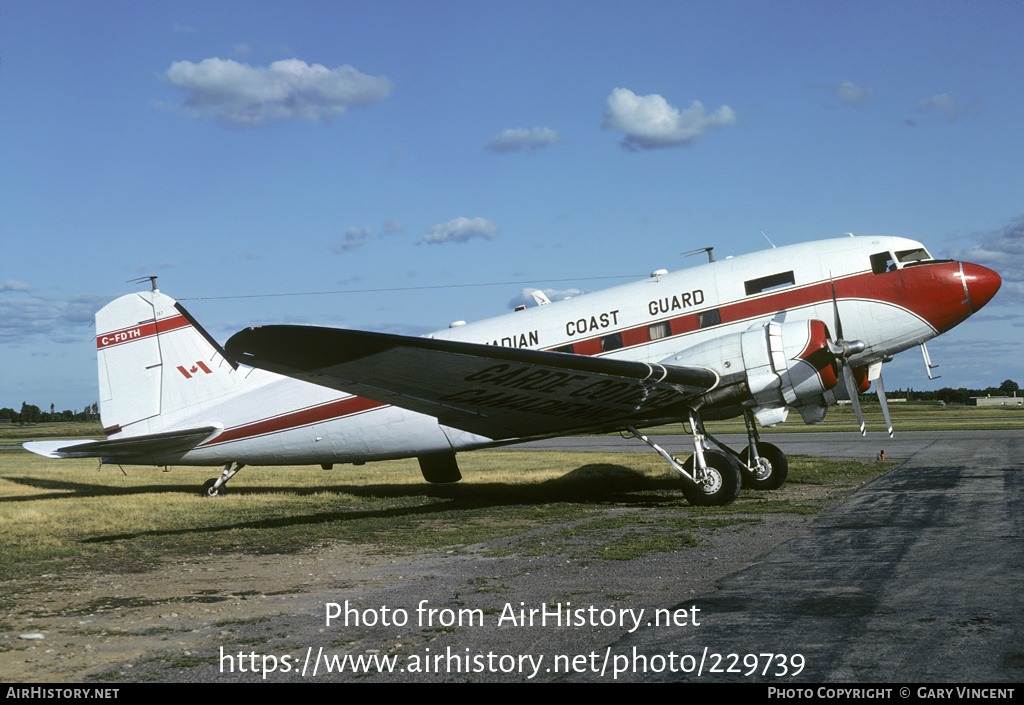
[[75, 514], [628, 536]]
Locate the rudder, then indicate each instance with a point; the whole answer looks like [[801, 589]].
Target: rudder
[[157, 365]]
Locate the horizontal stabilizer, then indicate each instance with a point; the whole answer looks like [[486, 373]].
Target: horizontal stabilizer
[[498, 392], [125, 449]]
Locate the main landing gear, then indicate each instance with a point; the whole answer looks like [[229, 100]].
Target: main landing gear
[[764, 466], [713, 476], [217, 487]]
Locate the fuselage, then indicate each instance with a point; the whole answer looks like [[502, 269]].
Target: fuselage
[[891, 310], [889, 291]]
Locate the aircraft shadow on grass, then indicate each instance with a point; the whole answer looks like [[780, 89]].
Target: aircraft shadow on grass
[[587, 484]]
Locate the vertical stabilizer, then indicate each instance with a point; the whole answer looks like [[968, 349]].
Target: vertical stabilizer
[[157, 366]]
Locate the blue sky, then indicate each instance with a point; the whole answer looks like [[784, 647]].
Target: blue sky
[[399, 151]]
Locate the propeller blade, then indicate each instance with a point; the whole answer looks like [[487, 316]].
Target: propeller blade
[[835, 309], [843, 349], [880, 391], [851, 387]]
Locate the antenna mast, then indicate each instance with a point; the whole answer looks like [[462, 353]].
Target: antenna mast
[[711, 257], [152, 282]]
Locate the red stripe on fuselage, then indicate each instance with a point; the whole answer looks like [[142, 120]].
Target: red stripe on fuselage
[[140, 332], [303, 417], [932, 292], [929, 291]]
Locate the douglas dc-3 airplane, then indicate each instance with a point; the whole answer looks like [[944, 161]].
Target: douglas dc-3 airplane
[[747, 336]]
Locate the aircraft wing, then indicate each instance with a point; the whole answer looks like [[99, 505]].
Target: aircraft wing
[[497, 392], [124, 449]]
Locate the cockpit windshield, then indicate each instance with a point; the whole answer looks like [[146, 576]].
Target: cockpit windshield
[[882, 262], [905, 257]]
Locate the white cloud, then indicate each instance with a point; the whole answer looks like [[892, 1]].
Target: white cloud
[[461, 230], [943, 103], [519, 139], [353, 238], [56, 320], [1002, 251], [852, 94], [649, 122], [525, 298], [357, 237], [11, 285], [392, 226], [291, 90]]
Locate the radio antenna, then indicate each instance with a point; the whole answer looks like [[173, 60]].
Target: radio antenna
[[152, 282], [711, 257], [768, 239]]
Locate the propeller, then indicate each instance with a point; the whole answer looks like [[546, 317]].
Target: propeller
[[843, 349], [880, 391]]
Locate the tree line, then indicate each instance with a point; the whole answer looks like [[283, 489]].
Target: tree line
[[961, 395], [30, 413]]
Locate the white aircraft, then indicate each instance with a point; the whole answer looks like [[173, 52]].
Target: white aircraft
[[745, 336]]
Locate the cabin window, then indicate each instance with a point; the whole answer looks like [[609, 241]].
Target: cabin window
[[773, 281], [706, 319], [659, 330], [611, 342], [565, 349], [882, 262]]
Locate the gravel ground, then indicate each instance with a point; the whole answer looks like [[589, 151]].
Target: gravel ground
[[204, 620]]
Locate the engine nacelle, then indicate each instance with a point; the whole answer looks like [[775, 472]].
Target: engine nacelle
[[769, 368]]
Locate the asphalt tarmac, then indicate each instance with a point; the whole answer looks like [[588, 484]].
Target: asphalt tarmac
[[914, 578]]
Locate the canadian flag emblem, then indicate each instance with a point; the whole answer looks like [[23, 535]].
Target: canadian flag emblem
[[196, 368]]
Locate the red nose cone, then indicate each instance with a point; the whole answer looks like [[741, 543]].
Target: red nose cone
[[982, 284]]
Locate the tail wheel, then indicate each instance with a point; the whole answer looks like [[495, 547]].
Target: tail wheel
[[771, 470], [720, 487]]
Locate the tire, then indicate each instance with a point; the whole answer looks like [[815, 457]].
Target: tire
[[208, 490], [773, 471], [724, 485]]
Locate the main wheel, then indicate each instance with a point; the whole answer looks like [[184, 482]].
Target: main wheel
[[722, 484], [770, 473], [209, 491]]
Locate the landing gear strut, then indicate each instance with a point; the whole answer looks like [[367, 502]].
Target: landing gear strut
[[720, 468], [217, 487], [713, 476], [764, 465], [710, 477]]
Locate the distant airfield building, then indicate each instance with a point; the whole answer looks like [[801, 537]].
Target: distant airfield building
[[996, 401]]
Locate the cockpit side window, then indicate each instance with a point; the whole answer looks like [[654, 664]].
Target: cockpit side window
[[882, 262]]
